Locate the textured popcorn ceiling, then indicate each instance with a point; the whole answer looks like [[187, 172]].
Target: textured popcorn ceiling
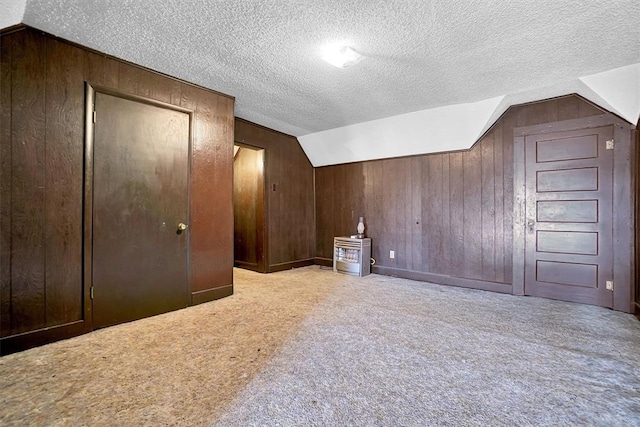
[[11, 12], [420, 54]]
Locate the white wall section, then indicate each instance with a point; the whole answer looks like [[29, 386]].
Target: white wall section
[[620, 88], [458, 127], [428, 131]]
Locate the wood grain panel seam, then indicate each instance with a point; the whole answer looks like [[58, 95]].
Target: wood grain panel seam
[[6, 93], [46, 193]]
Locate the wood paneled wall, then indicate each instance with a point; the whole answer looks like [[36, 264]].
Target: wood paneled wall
[[289, 196], [42, 97], [636, 168], [448, 217]]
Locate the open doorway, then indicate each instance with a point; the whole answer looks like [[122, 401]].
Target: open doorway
[[249, 208]]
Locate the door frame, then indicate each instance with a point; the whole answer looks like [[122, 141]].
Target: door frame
[[623, 200], [262, 240], [87, 202]]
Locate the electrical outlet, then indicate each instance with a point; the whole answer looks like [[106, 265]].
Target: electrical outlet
[[392, 254]]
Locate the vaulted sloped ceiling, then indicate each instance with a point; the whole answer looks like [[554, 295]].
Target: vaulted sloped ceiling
[[428, 64]]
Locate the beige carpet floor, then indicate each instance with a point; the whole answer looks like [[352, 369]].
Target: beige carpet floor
[[309, 347], [384, 351], [179, 368]]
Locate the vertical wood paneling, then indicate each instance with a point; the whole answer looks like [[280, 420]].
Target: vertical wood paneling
[[416, 212], [211, 191], [111, 73], [403, 238], [280, 189], [128, 78], [488, 214], [379, 239], [222, 167], [41, 157], [175, 88], [289, 197], [159, 88], [456, 213], [188, 99], [28, 185], [211, 238], [519, 231], [357, 189], [406, 214], [432, 214], [499, 209], [587, 109], [507, 126], [344, 215], [336, 215], [636, 171], [353, 182], [567, 107], [324, 211], [543, 112], [200, 217], [352, 176], [472, 171], [94, 68], [292, 229], [623, 223], [388, 240], [367, 201], [462, 201], [373, 208], [379, 208], [64, 159], [446, 261], [347, 210], [342, 194], [142, 80], [6, 49]]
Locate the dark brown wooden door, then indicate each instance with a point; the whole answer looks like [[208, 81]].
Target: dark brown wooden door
[[140, 197], [569, 190]]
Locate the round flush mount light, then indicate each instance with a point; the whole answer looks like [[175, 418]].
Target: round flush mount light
[[341, 56]]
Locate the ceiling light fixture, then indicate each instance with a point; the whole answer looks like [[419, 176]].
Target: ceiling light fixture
[[341, 56]]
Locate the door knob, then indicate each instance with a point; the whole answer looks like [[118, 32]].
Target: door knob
[[182, 226], [530, 224]]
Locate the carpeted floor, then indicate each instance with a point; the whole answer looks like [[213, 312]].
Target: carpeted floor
[[310, 347]]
